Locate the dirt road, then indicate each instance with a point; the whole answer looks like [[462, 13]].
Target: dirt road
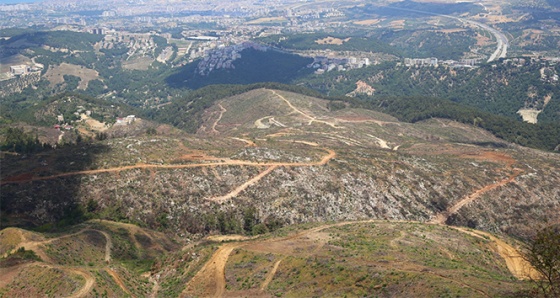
[[222, 111], [516, 264], [298, 111], [270, 275], [243, 186], [442, 217], [224, 162], [118, 280], [212, 275], [211, 278], [90, 281]]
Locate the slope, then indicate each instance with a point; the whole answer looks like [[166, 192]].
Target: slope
[[97, 257], [294, 159]]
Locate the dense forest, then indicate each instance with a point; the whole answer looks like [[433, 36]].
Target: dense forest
[[412, 109], [428, 43], [501, 88]]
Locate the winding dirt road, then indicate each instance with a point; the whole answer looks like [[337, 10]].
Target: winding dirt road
[[311, 118], [224, 162], [212, 274], [222, 111], [90, 281], [38, 248]]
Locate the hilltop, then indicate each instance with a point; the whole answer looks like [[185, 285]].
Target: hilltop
[[278, 158], [273, 167]]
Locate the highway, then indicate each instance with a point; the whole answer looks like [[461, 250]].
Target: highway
[[502, 47], [501, 39]]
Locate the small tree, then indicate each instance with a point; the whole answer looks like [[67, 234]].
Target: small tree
[[543, 252]]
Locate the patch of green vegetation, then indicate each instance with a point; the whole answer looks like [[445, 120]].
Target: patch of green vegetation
[[390, 259], [412, 109], [74, 41], [247, 270], [20, 141], [19, 256]]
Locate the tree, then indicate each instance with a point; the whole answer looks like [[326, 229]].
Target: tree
[[543, 252]]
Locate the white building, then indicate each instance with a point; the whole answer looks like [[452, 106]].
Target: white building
[[18, 70]]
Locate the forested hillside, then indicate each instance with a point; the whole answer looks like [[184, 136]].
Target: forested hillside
[[501, 88], [186, 113]]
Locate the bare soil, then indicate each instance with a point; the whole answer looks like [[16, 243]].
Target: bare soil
[[56, 73], [332, 40]]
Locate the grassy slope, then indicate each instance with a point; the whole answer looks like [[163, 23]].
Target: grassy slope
[[380, 258]]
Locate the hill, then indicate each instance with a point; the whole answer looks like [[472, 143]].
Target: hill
[[266, 158], [503, 88], [96, 258], [102, 258], [253, 66]]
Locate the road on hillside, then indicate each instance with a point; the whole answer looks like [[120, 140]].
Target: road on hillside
[[502, 46]]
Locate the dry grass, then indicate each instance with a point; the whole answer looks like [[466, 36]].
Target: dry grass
[[332, 40], [140, 63], [368, 22], [56, 73]]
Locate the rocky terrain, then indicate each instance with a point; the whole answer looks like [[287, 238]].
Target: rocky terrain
[[266, 159], [295, 161]]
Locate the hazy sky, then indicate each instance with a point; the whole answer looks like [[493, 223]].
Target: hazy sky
[[17, 1]]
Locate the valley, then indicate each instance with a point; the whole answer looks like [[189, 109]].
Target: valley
[[280, 149]]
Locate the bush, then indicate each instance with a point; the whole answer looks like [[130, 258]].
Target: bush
[[543, 252]]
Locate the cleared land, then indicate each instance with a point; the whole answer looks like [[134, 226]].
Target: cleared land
[[332, 40], [290, 264], [55, 74]]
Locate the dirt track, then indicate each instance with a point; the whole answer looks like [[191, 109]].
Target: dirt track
[[222, 111], [90, 281], [270, 275], [517, 265], [212, 274], [38, 248], [244, 186], [442, 217], [224, 162], [118, 280], [311, 118]]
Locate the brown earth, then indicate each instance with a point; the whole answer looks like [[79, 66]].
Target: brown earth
[[210, 280], [332, 40], [55, 74]]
